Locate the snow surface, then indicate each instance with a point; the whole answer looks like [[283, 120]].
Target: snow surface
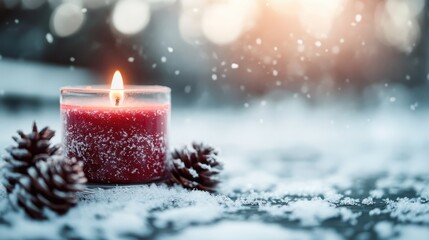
[[300, 173]]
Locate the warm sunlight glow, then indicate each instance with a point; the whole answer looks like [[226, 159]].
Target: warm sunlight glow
[[117, 90]]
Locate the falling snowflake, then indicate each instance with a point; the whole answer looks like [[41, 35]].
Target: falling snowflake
[[49, 38], [275, 72], [358, 18], [188, 89]]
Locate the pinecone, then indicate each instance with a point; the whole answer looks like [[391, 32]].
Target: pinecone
[[30, 148], [195, 168], [50, 184]]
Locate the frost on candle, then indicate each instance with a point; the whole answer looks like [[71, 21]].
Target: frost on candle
[[119, 137]]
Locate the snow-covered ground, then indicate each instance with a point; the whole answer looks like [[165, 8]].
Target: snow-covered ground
[[291, 172]]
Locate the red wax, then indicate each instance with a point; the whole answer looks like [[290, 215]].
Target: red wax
[[118, 144]]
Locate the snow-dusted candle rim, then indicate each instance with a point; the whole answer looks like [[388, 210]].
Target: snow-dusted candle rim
[[107, 89]]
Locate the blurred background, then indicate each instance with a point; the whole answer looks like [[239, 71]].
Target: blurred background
[[218, 52]]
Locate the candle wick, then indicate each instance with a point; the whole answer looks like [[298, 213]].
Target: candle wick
[[117, 99]]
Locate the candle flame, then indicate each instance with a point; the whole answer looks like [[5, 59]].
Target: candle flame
[[117, 90]]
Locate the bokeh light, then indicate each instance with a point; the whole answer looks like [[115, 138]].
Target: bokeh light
[[95, 4], [129, 17], [190, 18], [395, 17], [189, 28], [32, 4], [318, 16], [67, 19], [222, 23]]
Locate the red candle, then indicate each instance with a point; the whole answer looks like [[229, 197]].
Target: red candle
[[119, 134]]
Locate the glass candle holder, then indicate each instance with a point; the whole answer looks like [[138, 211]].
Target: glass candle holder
[[120, 135]]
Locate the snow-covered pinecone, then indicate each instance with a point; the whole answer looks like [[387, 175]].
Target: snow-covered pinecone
[[195, 167], [50, 184], [30, 148]]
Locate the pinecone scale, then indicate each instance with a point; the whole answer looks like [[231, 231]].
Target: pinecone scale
[[50, 184], [195, 167], [29, 149]]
